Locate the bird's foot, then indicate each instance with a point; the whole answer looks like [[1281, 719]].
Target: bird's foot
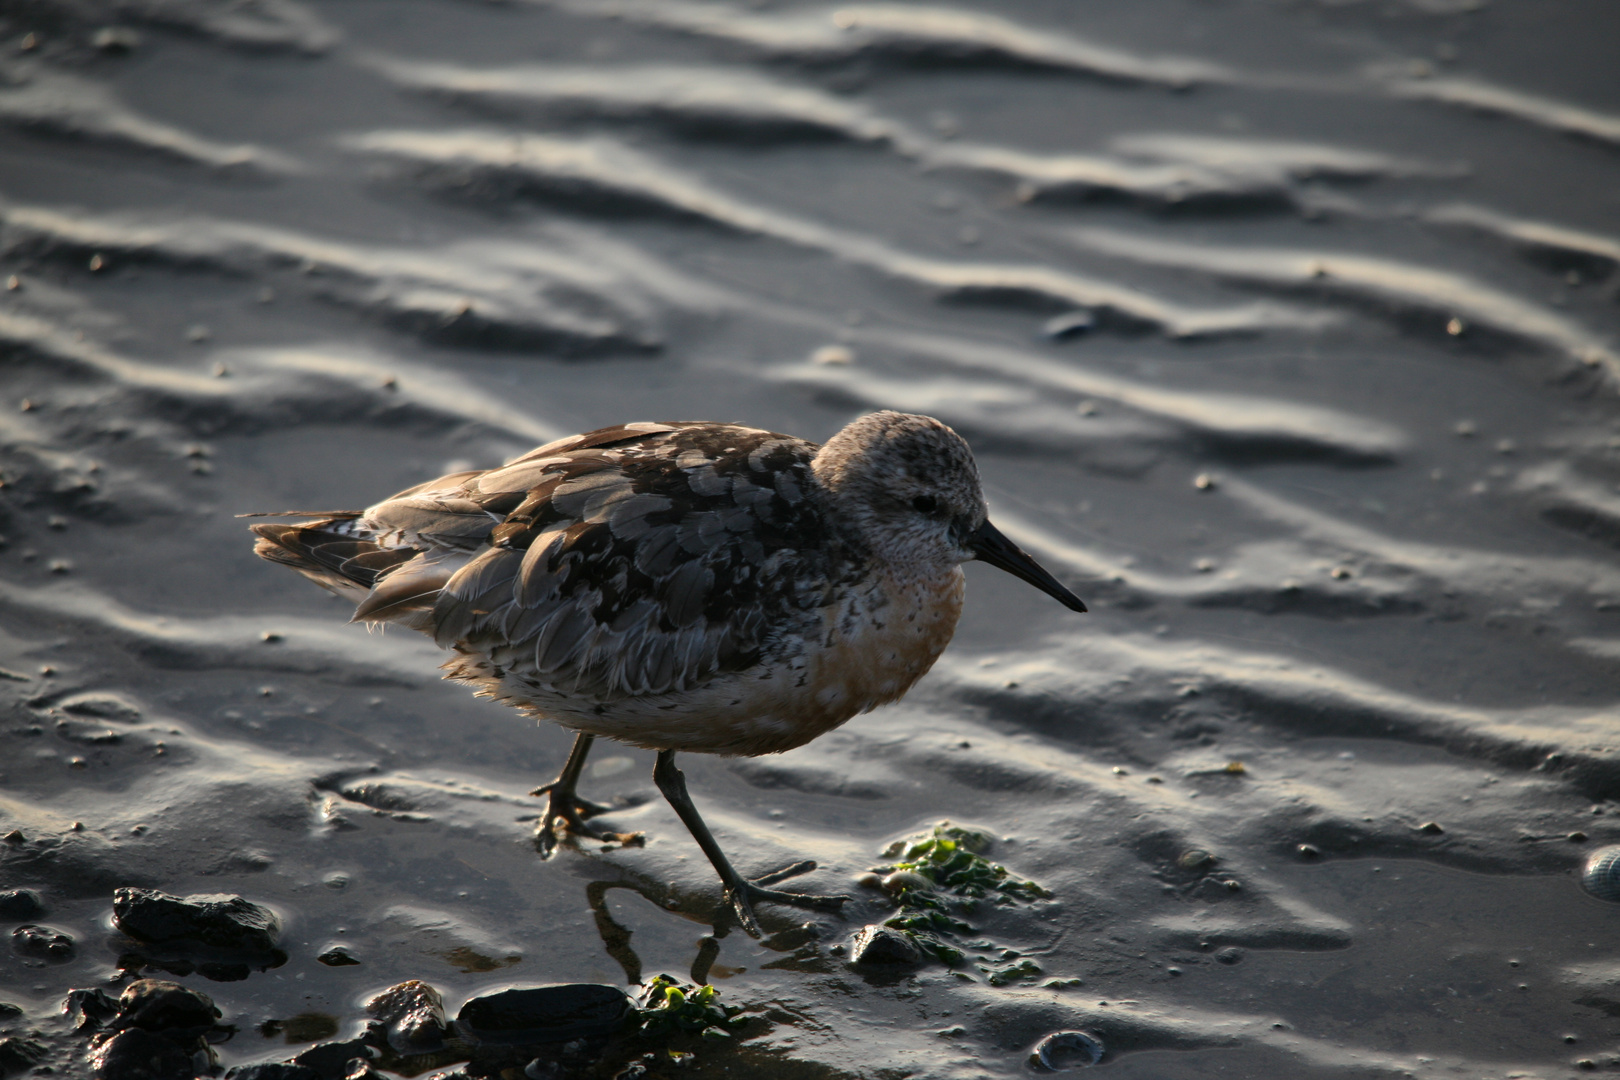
[[583, 808], [571, 810], [744, 894]]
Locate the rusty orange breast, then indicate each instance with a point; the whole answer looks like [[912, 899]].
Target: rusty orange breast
[[882, 640]]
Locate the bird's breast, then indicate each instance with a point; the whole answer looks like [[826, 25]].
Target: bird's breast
[[882, 638]]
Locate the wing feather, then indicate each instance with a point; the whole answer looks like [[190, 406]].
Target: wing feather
[[633, 560]]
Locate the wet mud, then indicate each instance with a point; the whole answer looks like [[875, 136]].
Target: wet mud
[[1286, 334]]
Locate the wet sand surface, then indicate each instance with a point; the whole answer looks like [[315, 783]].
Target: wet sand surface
[[1284, 333]]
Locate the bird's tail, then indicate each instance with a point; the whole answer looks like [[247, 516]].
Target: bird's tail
[[334, 552]]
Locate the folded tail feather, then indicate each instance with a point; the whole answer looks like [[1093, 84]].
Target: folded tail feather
[[328, 554]]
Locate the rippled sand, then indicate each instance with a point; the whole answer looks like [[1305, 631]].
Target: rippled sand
[[1285, 333]]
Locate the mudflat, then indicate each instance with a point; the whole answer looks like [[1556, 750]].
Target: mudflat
[[1285, 334]]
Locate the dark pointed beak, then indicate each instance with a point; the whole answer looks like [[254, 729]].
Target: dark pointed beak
[[991, 546]]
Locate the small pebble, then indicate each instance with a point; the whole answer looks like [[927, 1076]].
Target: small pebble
[[115, 40], [833, 356], [1195, 859], [1065, 1050], [337, 956], [877, 944], [905, 879], [1069, 325], [1204, 482], [1601, 874]]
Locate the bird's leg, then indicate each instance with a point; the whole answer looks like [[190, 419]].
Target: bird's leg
[[564, 803], [740, 892]]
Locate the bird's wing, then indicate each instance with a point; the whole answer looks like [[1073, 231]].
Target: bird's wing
[[637, 560]]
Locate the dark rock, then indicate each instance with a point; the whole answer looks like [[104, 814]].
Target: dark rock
[[19, 1055], [543, 1014], [19, 904], [89, 1009], [215, 919], [142, 1055], [877, 944], [412, 1016], [273, 1070], [1229, 955], [219, 971], [338, 956], [43, 942], [330, 1060], [156, 1005], [8, 1011]]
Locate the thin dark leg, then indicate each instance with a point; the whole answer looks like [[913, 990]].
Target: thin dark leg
[[740, 892], [564, 803]]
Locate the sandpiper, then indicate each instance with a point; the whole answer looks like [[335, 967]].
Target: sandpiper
[[680, 586]]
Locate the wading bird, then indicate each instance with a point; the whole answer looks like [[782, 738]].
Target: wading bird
[[680, 587]]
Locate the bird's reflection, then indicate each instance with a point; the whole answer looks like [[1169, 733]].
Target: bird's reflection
[[616, 936], [798, 941]]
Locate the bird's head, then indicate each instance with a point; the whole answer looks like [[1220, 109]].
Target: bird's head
[[907, 488]]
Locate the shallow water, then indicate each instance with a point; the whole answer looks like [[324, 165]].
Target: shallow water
[[1349, 265]]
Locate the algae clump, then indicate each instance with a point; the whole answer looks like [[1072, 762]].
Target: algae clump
[[951, 861]]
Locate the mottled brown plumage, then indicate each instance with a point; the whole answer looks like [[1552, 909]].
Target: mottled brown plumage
[[679, 586]]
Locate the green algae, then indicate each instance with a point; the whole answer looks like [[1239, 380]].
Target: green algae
[[951, 860], [669, 1008]]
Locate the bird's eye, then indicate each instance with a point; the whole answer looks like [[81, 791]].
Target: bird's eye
[[925, 504]]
